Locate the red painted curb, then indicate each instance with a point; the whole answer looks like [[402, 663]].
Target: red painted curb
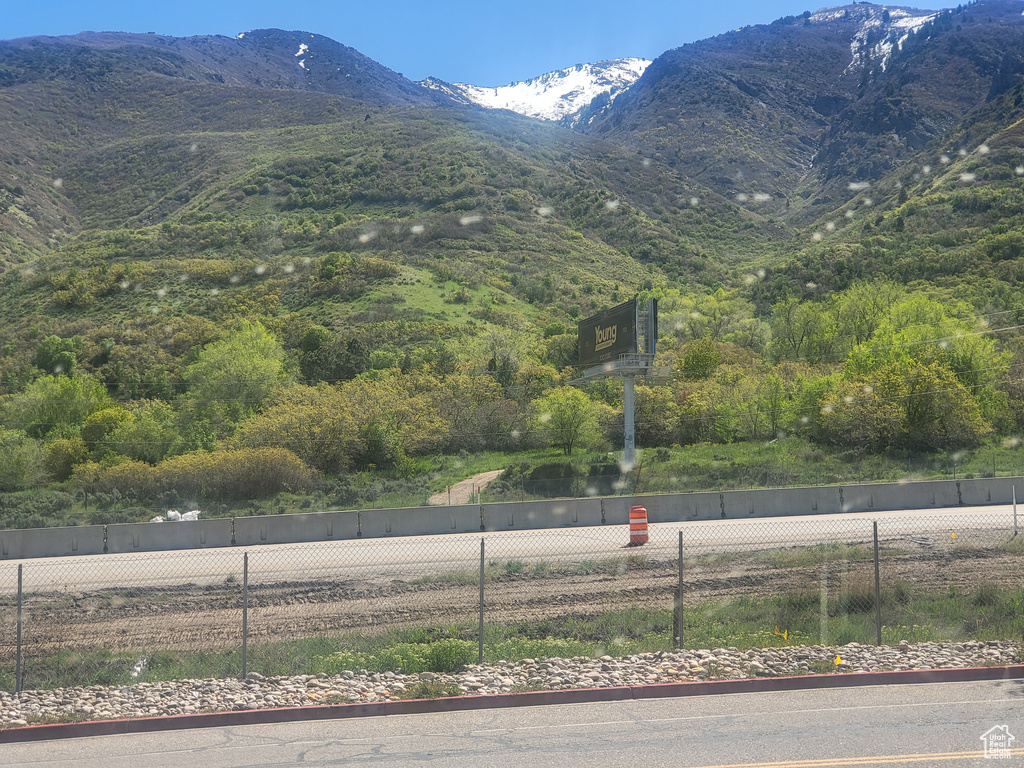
[[496, 700]]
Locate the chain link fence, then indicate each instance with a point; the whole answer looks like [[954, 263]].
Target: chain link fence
[[290, 609]]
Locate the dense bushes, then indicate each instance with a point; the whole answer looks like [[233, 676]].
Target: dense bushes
[[229, 475]]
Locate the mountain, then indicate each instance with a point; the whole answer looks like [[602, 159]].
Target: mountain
[[783, 117], [155, 189], [562, 96]]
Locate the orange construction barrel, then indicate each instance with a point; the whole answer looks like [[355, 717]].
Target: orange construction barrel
[[637, 526]]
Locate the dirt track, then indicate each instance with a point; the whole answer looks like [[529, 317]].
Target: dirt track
[[209, 618]]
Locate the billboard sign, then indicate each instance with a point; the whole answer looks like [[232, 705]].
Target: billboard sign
[[605, 336]]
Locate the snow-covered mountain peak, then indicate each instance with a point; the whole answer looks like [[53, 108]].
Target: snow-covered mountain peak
[[553, 96]]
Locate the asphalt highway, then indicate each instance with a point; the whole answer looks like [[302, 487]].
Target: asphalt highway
[[937, 724]]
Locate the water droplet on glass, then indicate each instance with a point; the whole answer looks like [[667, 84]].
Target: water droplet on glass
[[367, 237], [161, 292], [741, 198], [826, 409], [831, 226], [849, 214], [58, 182], [810, 286], [417, 229], [967, 178], [545, 210], [545, 418], [472, 218], [761, 197], [848, 399], [611, 205], [868, 201], [694, 202], [193, 147], [124, 285], [858, 186], [816, 237], [944, 159], [261, 269], [761, 273], [647, 162], [926, 169], [1019, 170], [183, 278], [868, 389], [235, 279], [962, 153], [289, 268], [214, 291], [983, 149]]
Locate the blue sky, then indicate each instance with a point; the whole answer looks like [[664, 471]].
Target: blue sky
[[483, 43]]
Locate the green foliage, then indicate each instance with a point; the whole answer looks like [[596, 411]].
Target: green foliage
[[56, 355], [99, 424], [147, 435], [568, 418], [232, 378], [55, 405], [61, 456], [700, 359], [223, 476], [21, 461], [36, 509]]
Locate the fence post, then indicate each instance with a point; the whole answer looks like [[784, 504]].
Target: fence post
[[17, 670], [823, 603], [245, 615], [480, 648], [1014, 487], [878, 591], [679, 598]]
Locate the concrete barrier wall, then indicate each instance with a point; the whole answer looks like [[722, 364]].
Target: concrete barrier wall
[[289, 529], [51, 542], [159, 537], [780, 502], [559, 513], [416, 521]]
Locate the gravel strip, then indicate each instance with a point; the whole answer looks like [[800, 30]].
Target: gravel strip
[[257, 692]]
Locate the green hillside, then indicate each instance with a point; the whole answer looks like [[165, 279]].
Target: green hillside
[[229, 285]]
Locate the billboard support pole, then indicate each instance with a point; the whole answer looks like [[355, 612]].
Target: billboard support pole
[[628, 412]]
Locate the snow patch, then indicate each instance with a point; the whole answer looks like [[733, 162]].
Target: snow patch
[[890, 35], [554, 95], [302, 49]]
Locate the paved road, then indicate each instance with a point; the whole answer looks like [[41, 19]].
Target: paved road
[[931, 725], [413, 556]]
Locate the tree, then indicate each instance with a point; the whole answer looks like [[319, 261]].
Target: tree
[[21, 461], [700, 359], [803, 330], [58, 356], [56, 405], [233, 377], [101, 423], [62, 456], [146, 436], [568, 418], [317, 424]]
